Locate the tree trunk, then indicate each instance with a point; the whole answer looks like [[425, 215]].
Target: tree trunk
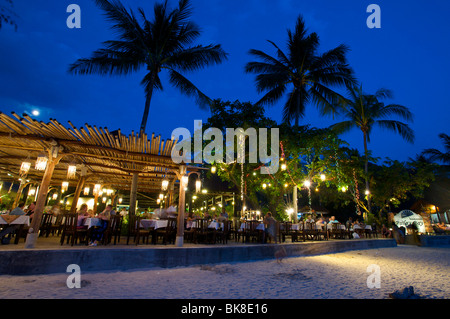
[[366, 171], [147, 104], [40, 203], [133, 194]]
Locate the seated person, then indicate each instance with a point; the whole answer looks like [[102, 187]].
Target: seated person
[[97, 232], [18, 211], [333, 220]]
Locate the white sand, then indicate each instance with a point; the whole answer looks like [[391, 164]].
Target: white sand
[[341, 275]]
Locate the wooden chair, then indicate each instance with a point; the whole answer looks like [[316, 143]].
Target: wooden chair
[[222, 234], [46, 226], [253, 234], [310, 230], [72, 231], [113, 230], [286, 231], [336, 231], [136, 231], [200, 231], [322, 232], [168, 233]]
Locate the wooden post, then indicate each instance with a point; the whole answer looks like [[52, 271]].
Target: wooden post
[[181, 208], [76, 196], [40, 202], [133, 194], [19, 193]]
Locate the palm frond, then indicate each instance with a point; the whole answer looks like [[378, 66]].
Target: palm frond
[[401, 128], [189, 89]]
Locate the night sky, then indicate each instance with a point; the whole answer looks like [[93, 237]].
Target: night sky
[[409, 55]]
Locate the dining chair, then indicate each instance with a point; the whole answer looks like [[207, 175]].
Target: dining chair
[[72, 231]]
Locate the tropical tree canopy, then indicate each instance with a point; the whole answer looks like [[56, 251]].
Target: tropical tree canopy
[[304, 74], [162, 43], [436, 155]]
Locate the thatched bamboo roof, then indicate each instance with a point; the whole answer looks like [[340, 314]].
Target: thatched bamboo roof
[[109, 158]]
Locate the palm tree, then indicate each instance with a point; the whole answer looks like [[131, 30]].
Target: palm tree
[[436, 155], [161, 43], [364, 111], [306, 74]]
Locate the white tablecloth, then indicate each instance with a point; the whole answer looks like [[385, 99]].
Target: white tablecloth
[[358, 227], [339, 226], [91, 222], [154, 223], [247, 225], [21, 220], [215, 225]]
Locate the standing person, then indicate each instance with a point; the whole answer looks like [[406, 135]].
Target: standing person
[[271, 227]]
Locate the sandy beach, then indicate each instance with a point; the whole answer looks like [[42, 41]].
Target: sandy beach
[[332, 276]]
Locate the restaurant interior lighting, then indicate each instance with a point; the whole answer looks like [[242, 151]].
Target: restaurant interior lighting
[[307, 183], [55, 196], [64, 186], [24, 168], [96, 190], [41, 162], [184, 180], [283, 166], [32, 191], [71, 171], [86, 190], [120, 200], [165, 184], [213, 169], [198, 186]]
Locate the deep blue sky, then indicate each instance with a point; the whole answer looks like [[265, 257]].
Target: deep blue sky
[[409, 55]]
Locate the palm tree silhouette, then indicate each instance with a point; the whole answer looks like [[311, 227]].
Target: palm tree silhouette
[[435, 155], [306, 74], [364, 111], [163, 43]]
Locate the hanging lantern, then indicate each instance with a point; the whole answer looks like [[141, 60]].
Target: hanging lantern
[[86, 190], [184, 180], [307, 183], [213, 169], [109, 191], [32, 191], [165, 184], [120, 200], [283, 166], [64, 186], [198, 186], [71, 171], [55, 196], [24, 168], [41, 162], [322, 177], [96, 190]]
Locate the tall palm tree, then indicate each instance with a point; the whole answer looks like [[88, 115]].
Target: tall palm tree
[[305, 73], [161, 43], [364, 111], [436, 155]]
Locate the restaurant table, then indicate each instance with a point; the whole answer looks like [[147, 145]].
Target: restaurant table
[[19, 221], [358, 227], [92, 222], [14, 220], [215, 225], [340, 226], [154, 223], [246, 226]]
